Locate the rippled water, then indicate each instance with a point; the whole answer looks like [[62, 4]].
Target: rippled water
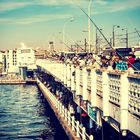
[[26, 115]]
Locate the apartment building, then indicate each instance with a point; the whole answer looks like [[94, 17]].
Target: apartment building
[[2, 62], [21, 57], [25, 57], [11, 61]]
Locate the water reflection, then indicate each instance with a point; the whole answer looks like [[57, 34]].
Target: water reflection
[[25, 115]]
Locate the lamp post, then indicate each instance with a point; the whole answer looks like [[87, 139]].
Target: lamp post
[[69, 20], [126, 38], [89, 13], [113, 34]]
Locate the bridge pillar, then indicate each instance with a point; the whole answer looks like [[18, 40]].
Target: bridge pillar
[[93, 88], [65, 74], [85, 94], [61, 72], [78, 81], [124, 103], [68, 75], [105, 95], [72, 78]]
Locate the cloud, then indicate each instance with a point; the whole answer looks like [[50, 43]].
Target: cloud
[[100, 6], [62, 2], [124, 5], [5, 20], [9, 5], [101, 2], [107, 5], [42, 18], [114, 6], [6, 6], [34, 19]]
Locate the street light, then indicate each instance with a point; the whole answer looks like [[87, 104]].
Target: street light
[[69, 20], [126, 36], [89, 12], [113, 33]]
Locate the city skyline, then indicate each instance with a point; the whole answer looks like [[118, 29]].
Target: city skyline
[[36, 22]]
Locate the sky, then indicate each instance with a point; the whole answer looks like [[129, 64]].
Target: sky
[[37, 22]]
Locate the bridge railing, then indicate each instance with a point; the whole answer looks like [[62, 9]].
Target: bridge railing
[[134, 95], [117, 94], [64, 113]]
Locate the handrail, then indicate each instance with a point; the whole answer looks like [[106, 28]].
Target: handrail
[[75, 126]]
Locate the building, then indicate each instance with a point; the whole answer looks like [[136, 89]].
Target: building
[[1, 68], [25, 57], [18, 58], [41, 53], [3, 61], [11, 61]]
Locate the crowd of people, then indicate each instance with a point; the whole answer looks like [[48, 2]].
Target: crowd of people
[[114, 62]]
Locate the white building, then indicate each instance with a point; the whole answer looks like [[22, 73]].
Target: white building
[[21, 57], [2, 62], [25, 57], [11, 61]]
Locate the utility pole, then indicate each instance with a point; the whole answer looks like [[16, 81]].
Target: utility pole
[[96, 42], [89, 13], [110, 40], [85, 45], [71, 48], [113, 34], [126, 38]]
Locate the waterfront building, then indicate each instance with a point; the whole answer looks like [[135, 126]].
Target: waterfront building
[[11, 61], [1, 66], [3, 61], [19, 59], [25, 57]]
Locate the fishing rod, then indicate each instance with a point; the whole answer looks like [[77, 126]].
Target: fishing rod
[[102, 33]]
